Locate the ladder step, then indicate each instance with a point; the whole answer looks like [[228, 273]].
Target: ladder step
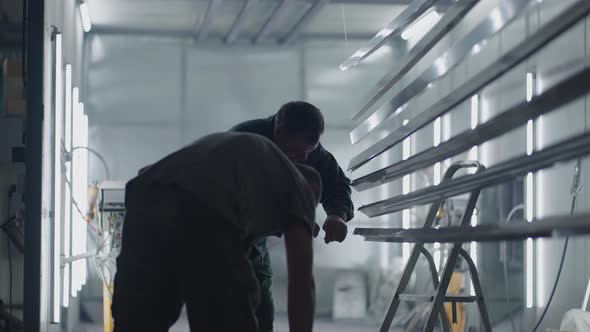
[[430, 298]]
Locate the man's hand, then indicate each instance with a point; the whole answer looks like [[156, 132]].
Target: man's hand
[[335, 229], [316, 229]]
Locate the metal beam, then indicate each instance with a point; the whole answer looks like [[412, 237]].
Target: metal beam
[[34, 75], [302, 23], [503, 14], [557, 96], [572, 148], [374, 2], [513, 57], [234, 32], [103, 30], [556, 226], [203, 29], [393, 29], [269, 25], [453, 12]]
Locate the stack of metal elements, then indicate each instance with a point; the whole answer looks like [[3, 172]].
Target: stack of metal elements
[[387, 112]]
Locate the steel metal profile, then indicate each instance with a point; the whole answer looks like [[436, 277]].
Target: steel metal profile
[[565, 225], [569, 17], [563, 151], [415, 10], [499, 18], [453, 14], [565, 92]]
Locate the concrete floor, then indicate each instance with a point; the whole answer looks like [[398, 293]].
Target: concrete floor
[[320, 324], [281, 325]]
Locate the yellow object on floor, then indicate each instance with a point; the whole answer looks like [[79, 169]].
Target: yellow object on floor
[[109, 325], [456, 286]]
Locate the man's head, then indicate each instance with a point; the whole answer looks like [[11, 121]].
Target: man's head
[[314, 181], [297, 129]]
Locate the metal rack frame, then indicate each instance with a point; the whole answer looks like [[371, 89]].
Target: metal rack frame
[[516, 55], [565, 92], [441, 286], [453, 13], [556, 226], [394, 28], [389, 110], [500, 17], [569, 149]]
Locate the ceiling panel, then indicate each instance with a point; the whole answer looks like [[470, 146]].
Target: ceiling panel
[[224, 17], [184, 17], [359, 18], [165, 15]]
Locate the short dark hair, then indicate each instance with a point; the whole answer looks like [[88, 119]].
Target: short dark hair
[[313, 178], [301, 118]]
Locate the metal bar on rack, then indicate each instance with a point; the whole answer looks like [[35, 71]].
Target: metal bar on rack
[[569, 89], [556, 226], [416, 9], [565, 92], [554, 28], [454, 13], [302, 23], [569, 149], [502, 15], [66, 260]]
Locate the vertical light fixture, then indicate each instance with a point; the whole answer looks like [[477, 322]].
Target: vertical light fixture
[[80, 170], [530, 86], [437, 140], [84, 198], [68, 193], [538, 197], [529, 198], [446, 135], [405, 191], [473, 155], [473, 248], [437, 136], [85, 14], [58, 181], [76, 162]]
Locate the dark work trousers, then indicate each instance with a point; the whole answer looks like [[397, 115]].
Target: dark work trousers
[[260, 259], [174, 252]]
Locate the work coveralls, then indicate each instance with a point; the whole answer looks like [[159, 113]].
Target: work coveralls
[[335, 200]]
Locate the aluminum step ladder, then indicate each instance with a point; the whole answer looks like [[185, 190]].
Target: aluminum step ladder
[[440, 296]]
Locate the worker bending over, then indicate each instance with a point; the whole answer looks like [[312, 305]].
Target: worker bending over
[[190, 221], [296, 129]]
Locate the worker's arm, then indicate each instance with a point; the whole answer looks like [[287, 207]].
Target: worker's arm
[[335, 195], [301, 293], [336, 190]]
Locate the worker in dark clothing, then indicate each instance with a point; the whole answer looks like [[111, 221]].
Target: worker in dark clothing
[[296, 129], [200, 209]]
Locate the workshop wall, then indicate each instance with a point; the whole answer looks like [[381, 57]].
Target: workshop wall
[[141, 110]]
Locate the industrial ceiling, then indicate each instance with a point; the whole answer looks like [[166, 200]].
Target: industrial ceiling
[[245, 21]]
